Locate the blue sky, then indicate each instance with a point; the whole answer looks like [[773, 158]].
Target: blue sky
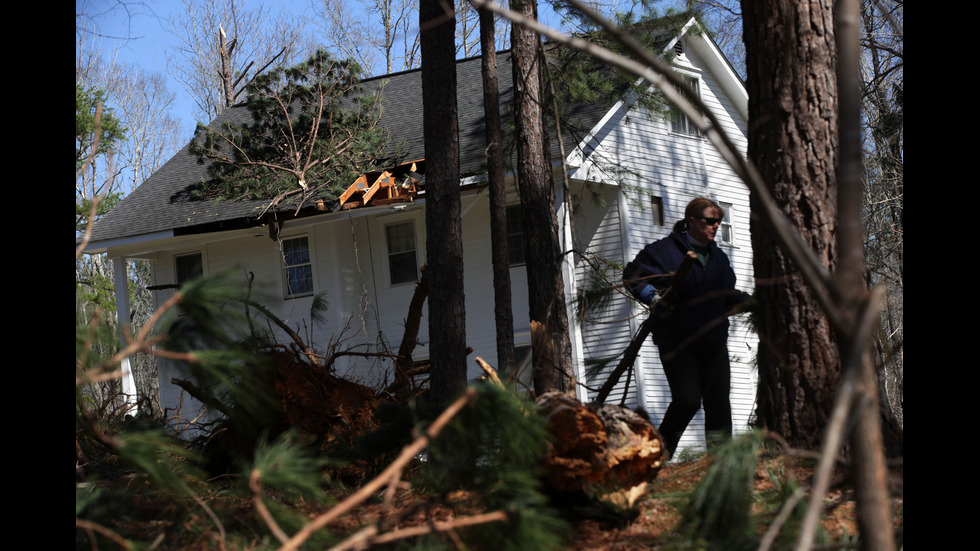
[[137, 32]]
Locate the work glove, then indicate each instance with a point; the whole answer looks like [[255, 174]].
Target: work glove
[[648, 295], [661, 307]]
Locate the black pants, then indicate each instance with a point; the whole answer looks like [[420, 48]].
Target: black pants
[[699, 371]]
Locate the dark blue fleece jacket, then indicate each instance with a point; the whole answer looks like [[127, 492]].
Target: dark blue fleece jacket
[[702, 298]]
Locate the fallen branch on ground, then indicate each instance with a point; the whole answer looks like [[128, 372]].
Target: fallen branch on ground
[[369, 536], [392, 473]]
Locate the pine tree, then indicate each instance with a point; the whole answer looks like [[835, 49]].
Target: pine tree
[[444, 233], [552, 350], [97, 133], [311, 133], [503, 310]]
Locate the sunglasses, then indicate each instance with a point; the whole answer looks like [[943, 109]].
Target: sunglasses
[[708, 220]]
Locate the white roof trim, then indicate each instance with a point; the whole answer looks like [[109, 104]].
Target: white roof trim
[[722, 70], [98, 247], [716, 63]]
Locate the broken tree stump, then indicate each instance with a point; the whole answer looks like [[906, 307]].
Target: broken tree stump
[[605, 451]]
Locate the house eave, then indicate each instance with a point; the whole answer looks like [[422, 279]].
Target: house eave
[[103, 246], [718, 65]]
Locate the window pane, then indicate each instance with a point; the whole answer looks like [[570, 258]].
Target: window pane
[[402, 264], [657, 211], [401, 237], [725, 230], [296, 251], [726, 234], [515, 235], [188, 267], [681, 124], [299, 280], [297, 266], [403, 267]]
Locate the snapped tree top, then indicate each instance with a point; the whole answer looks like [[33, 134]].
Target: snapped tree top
[[311, 134]]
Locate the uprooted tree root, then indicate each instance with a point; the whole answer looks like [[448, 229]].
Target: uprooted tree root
[[320, 404]]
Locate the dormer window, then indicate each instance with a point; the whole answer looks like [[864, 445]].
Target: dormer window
[[681, 124]]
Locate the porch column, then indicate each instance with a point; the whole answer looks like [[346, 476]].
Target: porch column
[[647, 349], [121, 281], [575, 334]]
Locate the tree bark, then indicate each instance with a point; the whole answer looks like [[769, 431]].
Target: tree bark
[[598, 449], [793, 139], [546, 286], [444, 243], [224, 52], [807, 147], [403, 364], [502, 309]]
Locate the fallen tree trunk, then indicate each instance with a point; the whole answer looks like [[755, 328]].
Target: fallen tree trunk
[[607, 452]]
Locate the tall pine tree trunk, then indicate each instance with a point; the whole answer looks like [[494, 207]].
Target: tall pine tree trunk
[[793, 140], [552, 355], [807, 148], [444, 241], [502, 309]]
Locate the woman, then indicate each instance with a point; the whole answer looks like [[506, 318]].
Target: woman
[[693, 332]]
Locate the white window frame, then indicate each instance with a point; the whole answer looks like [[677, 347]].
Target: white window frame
[[681, 124], [403, 279], [289, 263], [726, 226]]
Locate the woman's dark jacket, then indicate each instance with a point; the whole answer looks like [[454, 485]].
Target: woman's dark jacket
[[702, 299]]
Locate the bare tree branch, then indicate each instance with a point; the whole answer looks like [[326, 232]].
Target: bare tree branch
[[255, 484]]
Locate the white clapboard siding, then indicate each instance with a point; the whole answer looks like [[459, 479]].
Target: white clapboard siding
[[598, 259], [675, 168]]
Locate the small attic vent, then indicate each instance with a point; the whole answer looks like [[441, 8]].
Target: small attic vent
[[679, 48]]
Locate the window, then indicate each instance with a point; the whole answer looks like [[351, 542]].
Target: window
[[657, 211], [515, 236], [297, 271], [681, 124], [725, 233], [188, 267], [402, 264]]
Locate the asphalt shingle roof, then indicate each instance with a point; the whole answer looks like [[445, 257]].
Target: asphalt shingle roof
[[162, 202]]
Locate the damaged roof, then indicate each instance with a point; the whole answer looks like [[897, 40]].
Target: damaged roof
[[162, 203]]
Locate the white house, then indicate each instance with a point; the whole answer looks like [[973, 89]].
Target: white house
[[365, 259]]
